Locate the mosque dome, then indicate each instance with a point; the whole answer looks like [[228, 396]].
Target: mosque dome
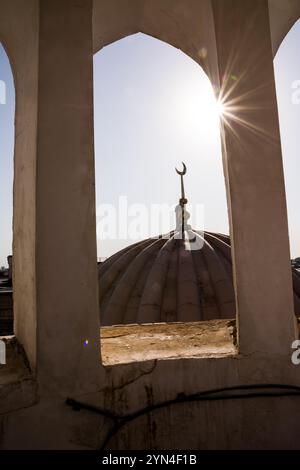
[[163, 280], [180, 277]]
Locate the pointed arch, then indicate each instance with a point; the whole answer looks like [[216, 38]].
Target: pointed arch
[[21, 45], [179, 98]]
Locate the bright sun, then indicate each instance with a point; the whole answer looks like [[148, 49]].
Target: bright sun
[[197, 106]]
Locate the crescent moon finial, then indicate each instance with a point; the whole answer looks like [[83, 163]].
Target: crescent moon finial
[[183, 172]]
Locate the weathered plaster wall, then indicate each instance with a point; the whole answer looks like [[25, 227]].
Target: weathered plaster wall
[[254, 177], [66, 258], [185, 24], [55, 271], [250, 423]]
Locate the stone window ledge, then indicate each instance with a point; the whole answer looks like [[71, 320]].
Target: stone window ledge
[[124, 344]]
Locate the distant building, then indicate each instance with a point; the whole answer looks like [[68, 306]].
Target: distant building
[[296, 263]]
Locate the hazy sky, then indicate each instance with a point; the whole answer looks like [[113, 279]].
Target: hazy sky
[[287, 71], [154, 107], [6, 157]]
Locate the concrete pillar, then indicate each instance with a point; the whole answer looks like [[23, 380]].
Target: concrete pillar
[[68, 357], [255, 182]]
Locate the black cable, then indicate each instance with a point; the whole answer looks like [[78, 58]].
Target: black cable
[[209, 395]]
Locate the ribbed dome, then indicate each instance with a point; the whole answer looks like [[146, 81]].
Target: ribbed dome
[[160, 280]]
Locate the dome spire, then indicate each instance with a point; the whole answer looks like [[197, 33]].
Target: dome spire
[[182, 201]]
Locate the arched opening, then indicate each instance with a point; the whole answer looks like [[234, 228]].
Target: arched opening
[[154, 107], [287, 75], [7, 113]]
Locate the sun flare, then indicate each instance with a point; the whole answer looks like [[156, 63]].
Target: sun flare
[[220, 108], [198, 107]]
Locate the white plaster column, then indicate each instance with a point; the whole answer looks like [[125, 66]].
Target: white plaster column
[[66, 261], [254, 173]]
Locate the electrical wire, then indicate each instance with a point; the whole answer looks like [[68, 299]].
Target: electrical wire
[[226, 393]]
